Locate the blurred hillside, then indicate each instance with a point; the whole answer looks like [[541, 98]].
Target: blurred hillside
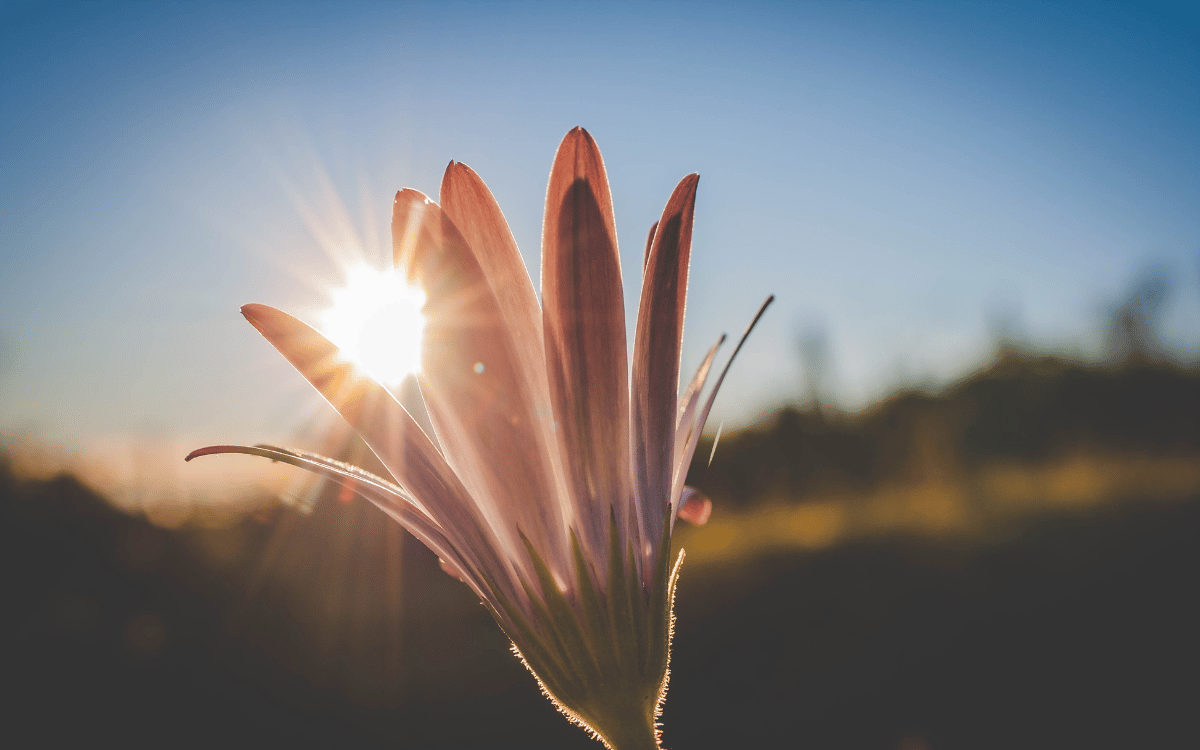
[[332, 630], [1028, 426], [1023, 409], [1010, 560]]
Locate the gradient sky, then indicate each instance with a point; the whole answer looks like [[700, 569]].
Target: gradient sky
[[900, 175]]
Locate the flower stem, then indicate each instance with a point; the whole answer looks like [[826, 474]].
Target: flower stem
[[637, 734]]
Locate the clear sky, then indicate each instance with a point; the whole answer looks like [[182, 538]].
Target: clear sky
[[900, 175]]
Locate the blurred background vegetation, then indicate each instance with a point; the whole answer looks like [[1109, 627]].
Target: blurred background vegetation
[[1007, 560]]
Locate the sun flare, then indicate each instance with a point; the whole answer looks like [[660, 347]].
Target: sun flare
[[377, 324]]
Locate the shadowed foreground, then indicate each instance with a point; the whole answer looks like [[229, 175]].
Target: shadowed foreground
[[1069, 631]]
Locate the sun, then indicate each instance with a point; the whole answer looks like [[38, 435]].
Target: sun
[[377, 324]]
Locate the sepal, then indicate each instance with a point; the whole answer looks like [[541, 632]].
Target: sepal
[[600, 652]]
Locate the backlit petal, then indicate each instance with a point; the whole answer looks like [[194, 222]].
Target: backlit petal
[[387, 429], [584, 326], [694, 507], [470, 205], [390, 498], [685, 459], [687, 420], [656, 348], [473, 380], [649, 244]]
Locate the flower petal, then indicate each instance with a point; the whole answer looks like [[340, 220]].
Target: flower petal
[[687, 418], [649, 244], [473, 378], [470, 205], [655, 383], [685, 459], [584, 326], [390, 498], [388, 430], [694, 507]]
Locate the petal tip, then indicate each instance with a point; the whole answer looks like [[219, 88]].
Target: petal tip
[[259, 316], [410, 195], [695, 508], [577, 136], [407, 198], [458, 176], [252, 312], [210, 450]]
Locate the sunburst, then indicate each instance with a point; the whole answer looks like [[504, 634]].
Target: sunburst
[[377, 324]]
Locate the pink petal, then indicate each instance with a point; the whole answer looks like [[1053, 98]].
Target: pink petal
[[473, 209], [649, 244], [584, 324], [656, 346], [483, 408], [386, 427], [687, 422], [453, 570], [470, 205], [694, 507], [390, 498], [685, 460]]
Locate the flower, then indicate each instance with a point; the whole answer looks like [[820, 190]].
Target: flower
[[559, 477]]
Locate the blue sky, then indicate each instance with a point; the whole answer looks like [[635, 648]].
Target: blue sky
[[900, 175]]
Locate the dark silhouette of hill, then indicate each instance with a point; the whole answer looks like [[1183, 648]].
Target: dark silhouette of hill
[[287, 629], [1074, 631], [1022, 408]]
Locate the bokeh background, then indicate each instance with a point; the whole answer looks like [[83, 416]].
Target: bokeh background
[[957, 488]]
